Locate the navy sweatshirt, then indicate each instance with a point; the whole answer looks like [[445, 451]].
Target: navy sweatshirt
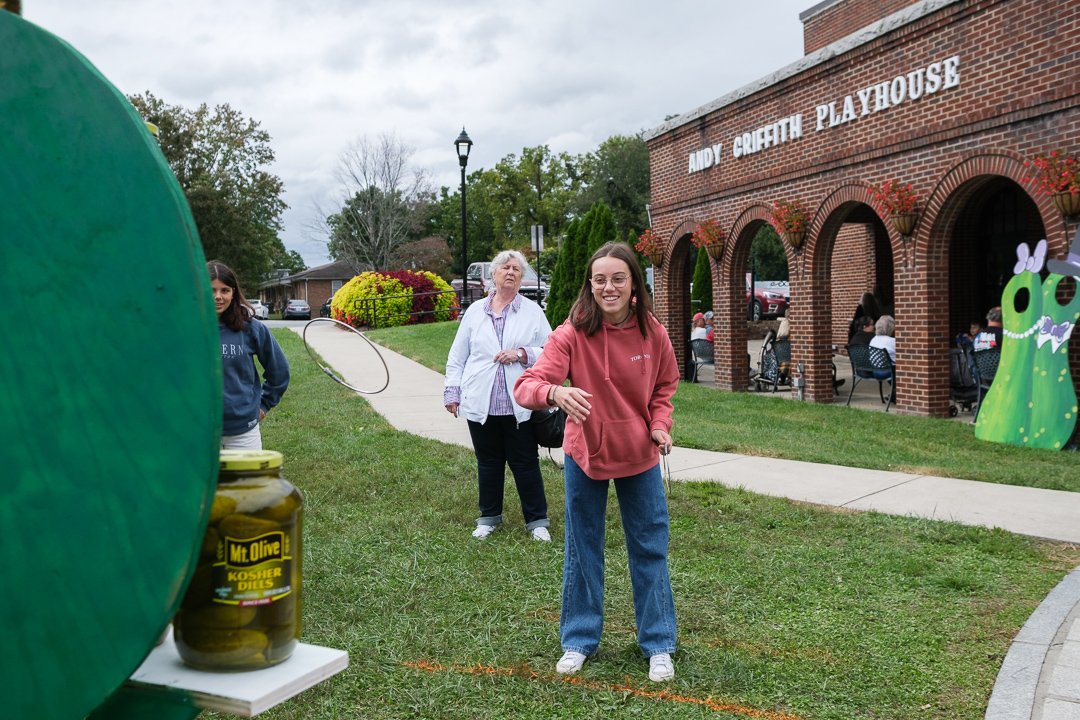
[[242, 392]]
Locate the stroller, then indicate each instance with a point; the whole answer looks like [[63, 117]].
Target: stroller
[[773, 363], [963, 381]]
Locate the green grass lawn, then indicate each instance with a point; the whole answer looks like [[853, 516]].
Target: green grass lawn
[[752, 424], [785, 610]]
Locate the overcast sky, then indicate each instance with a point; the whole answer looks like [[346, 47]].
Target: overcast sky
[[319, 75]]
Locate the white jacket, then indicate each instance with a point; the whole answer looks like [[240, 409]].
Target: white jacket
[[471, 363]]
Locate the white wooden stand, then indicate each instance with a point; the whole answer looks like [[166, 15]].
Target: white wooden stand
[[241, 693]]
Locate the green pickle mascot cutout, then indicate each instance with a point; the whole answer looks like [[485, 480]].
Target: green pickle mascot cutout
[[1031, 402]]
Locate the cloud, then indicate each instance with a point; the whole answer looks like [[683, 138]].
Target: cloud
[[318, 75]]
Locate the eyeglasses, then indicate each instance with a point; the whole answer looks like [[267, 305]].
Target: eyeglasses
[[599, 281]]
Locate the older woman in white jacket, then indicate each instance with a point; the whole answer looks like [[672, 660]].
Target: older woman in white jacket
[[498, 338]]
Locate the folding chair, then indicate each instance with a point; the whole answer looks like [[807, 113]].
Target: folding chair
[[863, 369], [703, 355], [986, 365]]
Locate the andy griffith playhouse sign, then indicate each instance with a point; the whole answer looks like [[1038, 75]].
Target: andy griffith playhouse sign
[[923, 81]]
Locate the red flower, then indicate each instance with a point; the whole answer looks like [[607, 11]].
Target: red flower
[[707, 233], [1056, 172], [649, 243], [894, 198], [790, 216]]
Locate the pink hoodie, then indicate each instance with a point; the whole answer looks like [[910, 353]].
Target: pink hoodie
[[631, 379]]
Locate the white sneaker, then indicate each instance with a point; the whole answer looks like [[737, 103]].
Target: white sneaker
[[541, 534], [661, 669], [570, 663], [482, 531]]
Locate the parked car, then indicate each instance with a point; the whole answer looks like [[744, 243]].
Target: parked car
[[261, 311], [766, 303], [480, 283], [297, 310]]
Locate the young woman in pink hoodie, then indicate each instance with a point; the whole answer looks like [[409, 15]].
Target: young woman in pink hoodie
[[623, 374]]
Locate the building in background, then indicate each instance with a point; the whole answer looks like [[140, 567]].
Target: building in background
[[952, 96]]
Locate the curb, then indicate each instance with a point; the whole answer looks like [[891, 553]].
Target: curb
[[1027, 670]]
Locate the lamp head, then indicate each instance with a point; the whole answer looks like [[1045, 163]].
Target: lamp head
[[463, 145]]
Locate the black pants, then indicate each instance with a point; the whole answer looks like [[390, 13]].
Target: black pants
[[500, 442]]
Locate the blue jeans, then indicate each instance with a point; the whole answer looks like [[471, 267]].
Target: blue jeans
[[645, 525]]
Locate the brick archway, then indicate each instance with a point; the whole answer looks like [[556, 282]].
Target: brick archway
[[729, 299], [811, 309], [671, 294], [934, 242], [948, 197]]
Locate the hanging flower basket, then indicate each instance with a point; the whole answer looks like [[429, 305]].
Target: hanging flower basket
[[904, 222], [796, 239], [1058, 174], [792, 221], [708, 235], [900, 203], [1068, 203], [649, 245]]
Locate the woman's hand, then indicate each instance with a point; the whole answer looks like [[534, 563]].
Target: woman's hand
[[452, 408], [663, 441], [574, 401], [506, 357]]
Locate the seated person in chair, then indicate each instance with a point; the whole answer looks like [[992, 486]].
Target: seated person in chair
[[884, 332], [865, 333], [991, 336], [885, 329], [698, 331]]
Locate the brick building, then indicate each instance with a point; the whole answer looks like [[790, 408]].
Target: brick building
[[952, 96], [315, 285]]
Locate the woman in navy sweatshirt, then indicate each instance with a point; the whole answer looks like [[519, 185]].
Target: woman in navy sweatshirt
[[243, 338]]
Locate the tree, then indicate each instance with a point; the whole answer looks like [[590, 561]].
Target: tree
[[617, 173], [218, 157], [383, 205], [563, 287], [702, 291], [583, 238], [430, 253], [445, 220], [767, 258], [536, 189], [502, 203]]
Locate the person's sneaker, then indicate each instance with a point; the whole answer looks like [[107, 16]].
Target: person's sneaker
[[570, 663], [661, 669], [541, 534], [482, 531]]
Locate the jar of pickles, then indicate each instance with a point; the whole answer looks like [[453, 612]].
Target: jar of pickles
[[242, 609]]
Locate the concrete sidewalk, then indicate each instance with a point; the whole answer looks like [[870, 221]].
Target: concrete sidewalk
[[1040, 678]]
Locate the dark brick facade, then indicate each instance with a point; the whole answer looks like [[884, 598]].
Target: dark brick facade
[[827, 22], [1017, 94]]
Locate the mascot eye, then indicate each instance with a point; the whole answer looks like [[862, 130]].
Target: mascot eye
[[1021, 299]]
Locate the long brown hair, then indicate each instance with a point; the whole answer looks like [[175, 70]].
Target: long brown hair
[[586, 315], [236, 316]]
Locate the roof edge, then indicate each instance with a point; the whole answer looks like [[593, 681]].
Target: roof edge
[[843, 45]]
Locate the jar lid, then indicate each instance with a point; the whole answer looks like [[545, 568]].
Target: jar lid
[[238, 460]]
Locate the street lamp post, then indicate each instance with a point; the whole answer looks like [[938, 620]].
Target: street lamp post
[[464, 145]]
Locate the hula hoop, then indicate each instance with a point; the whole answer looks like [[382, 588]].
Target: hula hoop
[[329, 372]]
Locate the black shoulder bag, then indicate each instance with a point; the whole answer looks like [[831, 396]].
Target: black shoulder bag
[[548, 426]]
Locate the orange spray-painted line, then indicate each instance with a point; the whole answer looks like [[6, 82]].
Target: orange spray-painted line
[[526, 672]]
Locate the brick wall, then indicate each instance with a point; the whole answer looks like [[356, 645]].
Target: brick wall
[[1018, 95], [852, 274], [842, 18]]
